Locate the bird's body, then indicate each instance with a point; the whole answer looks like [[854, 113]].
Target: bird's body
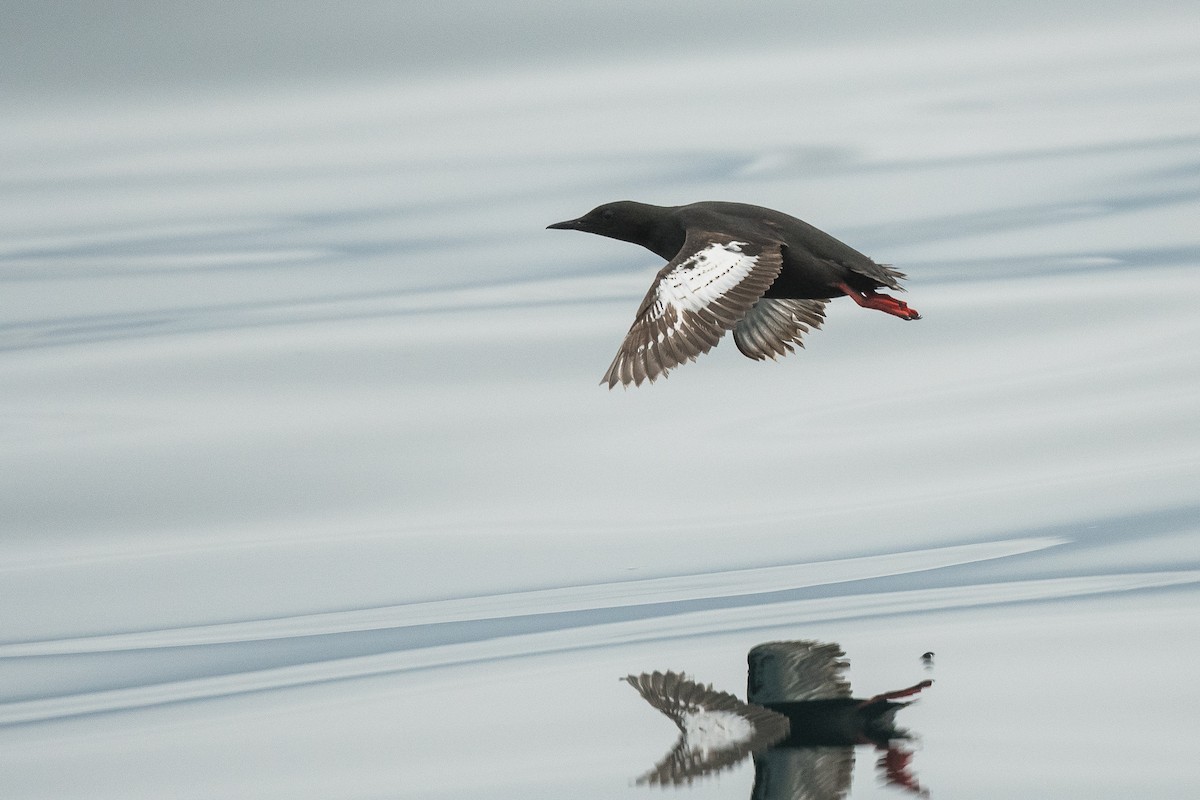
[[814, 263], [761, 273], [837, 721]]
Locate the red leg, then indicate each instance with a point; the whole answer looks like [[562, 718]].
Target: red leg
[[880, 302]]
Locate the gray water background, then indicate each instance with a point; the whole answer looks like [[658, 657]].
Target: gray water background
[[309, 489]]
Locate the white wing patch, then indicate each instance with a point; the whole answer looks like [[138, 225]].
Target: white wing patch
[[698, 280], [715, 730], [702, 293]]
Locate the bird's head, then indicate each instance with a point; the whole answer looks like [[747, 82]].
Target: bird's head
[[624, 220]]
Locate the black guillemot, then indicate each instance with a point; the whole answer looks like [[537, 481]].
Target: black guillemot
[[760, 273]]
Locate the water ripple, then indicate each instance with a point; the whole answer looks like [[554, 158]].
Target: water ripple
[[626, 632], [673, 589]]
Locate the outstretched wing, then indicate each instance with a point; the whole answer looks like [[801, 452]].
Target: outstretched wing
[[716, 729], [703, 292], [773, 325], [803, 773], [789, 671]]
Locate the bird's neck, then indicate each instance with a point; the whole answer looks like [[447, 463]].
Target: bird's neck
[[663, 234], [666, 244]]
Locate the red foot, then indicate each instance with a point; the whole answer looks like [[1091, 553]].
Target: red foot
[[880, 302]]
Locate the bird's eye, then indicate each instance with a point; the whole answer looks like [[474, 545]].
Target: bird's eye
[[607, 213]]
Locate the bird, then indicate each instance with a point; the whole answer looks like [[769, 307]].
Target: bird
[[761, 273], [799, 721]]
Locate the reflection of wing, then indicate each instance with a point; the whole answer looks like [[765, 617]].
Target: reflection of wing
[[807, 773], [717, 730], [783, 671]]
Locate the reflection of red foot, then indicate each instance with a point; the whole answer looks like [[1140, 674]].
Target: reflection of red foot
[[911, 690], [880, 302], [896, 765]]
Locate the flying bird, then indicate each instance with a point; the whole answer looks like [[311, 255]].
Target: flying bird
[[730, 266], [800, 722]]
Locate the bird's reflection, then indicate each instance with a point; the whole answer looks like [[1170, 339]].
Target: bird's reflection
[[801, 724]]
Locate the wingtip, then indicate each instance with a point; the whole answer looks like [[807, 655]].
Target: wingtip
[[612, 379]]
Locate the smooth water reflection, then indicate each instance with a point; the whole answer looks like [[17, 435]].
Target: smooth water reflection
[[800, 723]]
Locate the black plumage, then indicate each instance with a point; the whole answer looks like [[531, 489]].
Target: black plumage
[[760, 273]]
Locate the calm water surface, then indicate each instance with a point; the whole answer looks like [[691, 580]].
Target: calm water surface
[[310, 491]]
